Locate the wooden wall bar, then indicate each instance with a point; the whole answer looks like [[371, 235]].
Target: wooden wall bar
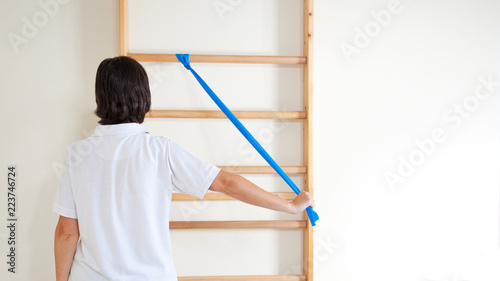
[[306, 60], [220, 115], [280, 224], [220, 58]]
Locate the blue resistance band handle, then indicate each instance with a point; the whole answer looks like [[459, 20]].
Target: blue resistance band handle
[[184, 59]]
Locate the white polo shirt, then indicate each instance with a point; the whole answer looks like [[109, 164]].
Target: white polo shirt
[[119, 185]]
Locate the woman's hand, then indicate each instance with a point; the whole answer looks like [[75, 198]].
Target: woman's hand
[[301, 202]]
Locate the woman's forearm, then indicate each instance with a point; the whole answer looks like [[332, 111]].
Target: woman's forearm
[[66, 239], [242, 189], [64, 250], [245, 191]]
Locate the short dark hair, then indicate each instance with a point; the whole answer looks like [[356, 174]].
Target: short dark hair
[[121, 91]]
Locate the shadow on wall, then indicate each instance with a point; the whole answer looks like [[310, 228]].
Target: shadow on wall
[[88, 33]]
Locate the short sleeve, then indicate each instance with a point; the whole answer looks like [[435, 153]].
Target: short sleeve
[[64, 202], [190, 175]]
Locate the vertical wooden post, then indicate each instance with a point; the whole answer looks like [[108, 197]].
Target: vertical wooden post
[[308, 94], [123, 27]]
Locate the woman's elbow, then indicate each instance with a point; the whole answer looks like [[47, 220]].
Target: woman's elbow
[[222, 182], [67, 228]]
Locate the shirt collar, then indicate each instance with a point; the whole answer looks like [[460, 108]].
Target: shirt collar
[[119, 129]]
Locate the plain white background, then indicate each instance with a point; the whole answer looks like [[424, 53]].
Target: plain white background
[[398, 94]]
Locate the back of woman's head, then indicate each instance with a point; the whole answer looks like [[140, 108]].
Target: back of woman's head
[[121, 91]]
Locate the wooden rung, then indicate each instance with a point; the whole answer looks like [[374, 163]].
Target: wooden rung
[[263, 169], [221, 196], [237, 224], [245, 278], [220, 58], [219, 114]]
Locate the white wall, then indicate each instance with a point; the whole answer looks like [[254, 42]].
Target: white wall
[[440, 224]]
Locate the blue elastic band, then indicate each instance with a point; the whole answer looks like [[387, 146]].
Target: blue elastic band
[[184, 59]]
